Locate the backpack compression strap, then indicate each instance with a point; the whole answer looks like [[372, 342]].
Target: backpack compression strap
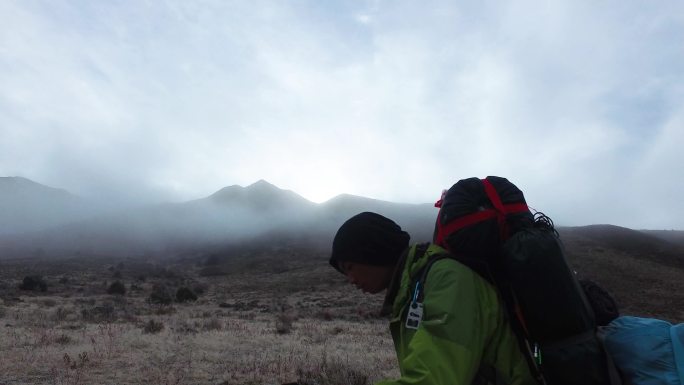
[[499, 212]]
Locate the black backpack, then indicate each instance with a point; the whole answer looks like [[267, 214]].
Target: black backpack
[[486, 225]]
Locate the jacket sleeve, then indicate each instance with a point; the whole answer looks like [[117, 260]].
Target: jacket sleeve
[[459, 317]]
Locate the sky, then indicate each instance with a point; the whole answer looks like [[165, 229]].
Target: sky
[[579, 103]]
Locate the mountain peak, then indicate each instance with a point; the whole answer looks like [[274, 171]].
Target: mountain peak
[[261, 184], [259, 194], [21, 185]]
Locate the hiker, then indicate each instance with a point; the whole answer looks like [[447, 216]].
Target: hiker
[[448, 329]]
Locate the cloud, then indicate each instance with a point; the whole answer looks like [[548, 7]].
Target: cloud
[[574, 103]]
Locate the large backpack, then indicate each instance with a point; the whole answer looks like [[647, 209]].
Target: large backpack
[[647, 351], [486, 224]]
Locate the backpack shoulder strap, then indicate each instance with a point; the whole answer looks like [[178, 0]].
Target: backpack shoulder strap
[[486, 374], [479, 266], [482, 268]]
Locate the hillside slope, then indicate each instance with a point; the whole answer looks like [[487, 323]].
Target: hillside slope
[[643, 272], [27, 206]]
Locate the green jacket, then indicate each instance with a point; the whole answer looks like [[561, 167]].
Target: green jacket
[[463, 327]]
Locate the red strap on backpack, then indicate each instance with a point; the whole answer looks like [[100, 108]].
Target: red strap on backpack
[[499, 207], [499, 212]]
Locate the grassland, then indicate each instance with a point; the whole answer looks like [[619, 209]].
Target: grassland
[[255, 321]]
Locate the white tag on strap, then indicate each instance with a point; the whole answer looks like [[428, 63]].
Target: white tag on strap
[[415, 315]]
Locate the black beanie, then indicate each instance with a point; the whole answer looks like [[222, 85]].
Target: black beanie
[[369, 238]]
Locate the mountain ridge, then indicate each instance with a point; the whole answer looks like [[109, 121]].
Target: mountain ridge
[[260, 194], [27, 206], [238, 214], [27, 185]]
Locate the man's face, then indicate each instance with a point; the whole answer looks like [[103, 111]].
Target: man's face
[[369, 278]]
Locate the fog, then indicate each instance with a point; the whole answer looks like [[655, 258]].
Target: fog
[[129, 103], [260, 213]]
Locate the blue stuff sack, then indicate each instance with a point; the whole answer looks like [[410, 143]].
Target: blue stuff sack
[[646, 351]]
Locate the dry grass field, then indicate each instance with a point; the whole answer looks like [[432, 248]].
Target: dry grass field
[[260, 317], [254, 322]]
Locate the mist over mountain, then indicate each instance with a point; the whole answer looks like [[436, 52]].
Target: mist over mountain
[[27, 206], [233, 214], [645, 245], [417, 219], [672, 236], [40, 221]]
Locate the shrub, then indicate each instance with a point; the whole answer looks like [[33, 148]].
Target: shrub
[[116, 288], [283, 324], [33, 282], [165, 310], [184, 294], [63, 339], [325, 314], [120, 302], [98, 314], [185, 327], [76, 363], [213, 271], [153, 327], [200, 288], [213, 260], [160, 295], [49, 302], [212, 324], [60, 314]]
